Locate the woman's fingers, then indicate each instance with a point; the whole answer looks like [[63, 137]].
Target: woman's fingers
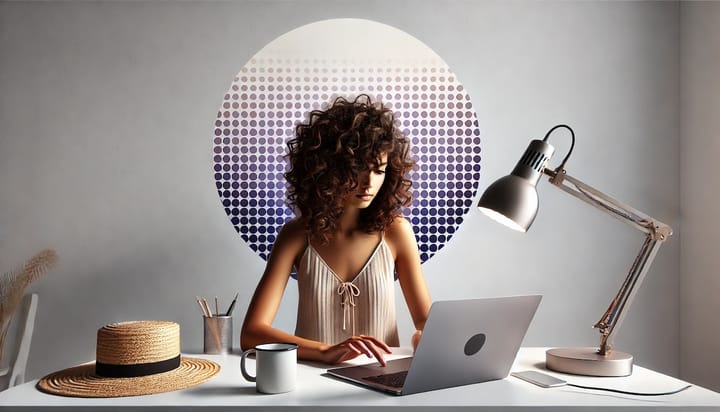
[[362, 346], [356, 348], [382, 345], [347, 356], [372, 347], [359, 345]]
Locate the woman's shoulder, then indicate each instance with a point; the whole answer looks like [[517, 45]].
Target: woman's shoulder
[[295, 225], [399, 231], [293, 231], [400, 238], [398, 223]]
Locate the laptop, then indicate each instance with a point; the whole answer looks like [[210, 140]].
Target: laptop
[[464, 342]]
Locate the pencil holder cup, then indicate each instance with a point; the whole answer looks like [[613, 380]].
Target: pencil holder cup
[[217, 334]]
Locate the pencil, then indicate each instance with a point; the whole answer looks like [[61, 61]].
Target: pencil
[[202, 308], [232, 305], [207, 308]]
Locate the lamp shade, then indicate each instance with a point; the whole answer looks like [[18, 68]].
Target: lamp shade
[[513, 200]]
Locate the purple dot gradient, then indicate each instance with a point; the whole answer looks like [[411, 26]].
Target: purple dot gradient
[[270, 96]]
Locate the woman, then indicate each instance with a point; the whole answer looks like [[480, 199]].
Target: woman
[[347, 182]]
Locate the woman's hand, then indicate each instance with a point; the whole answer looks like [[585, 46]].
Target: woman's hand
[[354, 347]]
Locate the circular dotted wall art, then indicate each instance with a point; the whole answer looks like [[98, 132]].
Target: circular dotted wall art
[[305, 70]]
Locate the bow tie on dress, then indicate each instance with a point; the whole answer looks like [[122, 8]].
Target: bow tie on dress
[[348, 291]]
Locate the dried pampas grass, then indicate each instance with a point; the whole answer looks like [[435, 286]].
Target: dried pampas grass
[[13, 285]]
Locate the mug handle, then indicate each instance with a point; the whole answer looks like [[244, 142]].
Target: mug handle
[[245, 374]]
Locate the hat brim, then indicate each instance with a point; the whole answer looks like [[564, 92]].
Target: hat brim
[[81, 381]]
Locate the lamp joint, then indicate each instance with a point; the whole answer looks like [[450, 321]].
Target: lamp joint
[[557, 176]]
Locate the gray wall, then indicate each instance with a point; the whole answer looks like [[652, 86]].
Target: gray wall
[[106, 111], [700, 193]]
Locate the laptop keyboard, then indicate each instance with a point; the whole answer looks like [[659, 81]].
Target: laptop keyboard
[[394, 380]]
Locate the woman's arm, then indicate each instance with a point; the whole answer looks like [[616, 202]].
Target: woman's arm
[[257, 327], [407, 264]]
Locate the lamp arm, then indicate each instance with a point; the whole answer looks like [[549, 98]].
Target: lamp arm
[[655, 231]]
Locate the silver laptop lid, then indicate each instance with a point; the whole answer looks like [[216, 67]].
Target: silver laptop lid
[[469, 341]]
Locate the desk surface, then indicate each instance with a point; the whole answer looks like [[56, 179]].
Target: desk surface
[[315, 390]]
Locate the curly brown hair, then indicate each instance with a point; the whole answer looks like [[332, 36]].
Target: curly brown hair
[[331, 150]]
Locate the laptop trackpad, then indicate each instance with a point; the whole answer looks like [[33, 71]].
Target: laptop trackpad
[[374, 369]]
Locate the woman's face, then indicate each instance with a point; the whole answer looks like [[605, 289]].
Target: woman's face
[[369, 184]]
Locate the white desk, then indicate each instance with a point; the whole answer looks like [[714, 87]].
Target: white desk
[[315, 391]]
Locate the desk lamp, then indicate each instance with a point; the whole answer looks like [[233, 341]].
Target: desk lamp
[[513, 201]]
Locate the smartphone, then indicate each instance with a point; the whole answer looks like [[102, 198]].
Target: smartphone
[[539, 379]]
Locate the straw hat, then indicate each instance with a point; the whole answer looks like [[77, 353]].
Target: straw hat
[[133, 358]]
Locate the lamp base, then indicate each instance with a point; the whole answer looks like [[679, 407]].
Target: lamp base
[[587, 361]]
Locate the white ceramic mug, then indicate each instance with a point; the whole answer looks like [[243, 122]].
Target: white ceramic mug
[[275, 367]]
